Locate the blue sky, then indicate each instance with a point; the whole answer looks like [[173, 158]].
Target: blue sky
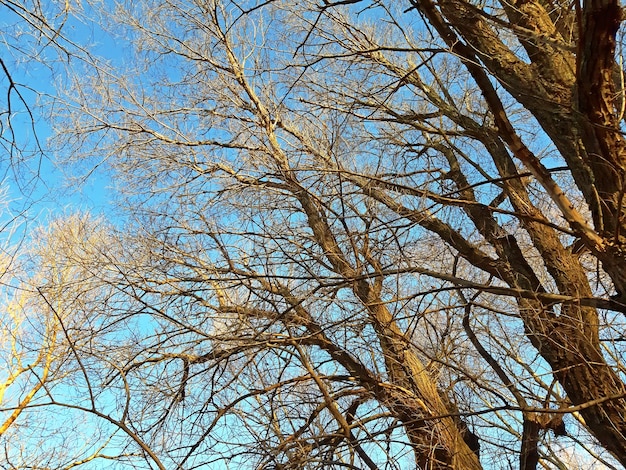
[[29, 171], [35, 182], [33, 187]]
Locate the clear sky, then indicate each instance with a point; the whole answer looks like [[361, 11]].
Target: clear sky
[[30, 172], [35, 185], [34, 188]]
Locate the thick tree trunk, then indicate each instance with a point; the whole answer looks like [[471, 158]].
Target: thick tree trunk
[[590, 383], [595, 152], [441, 442]]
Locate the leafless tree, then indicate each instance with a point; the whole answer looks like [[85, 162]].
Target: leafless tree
[[358, 234]]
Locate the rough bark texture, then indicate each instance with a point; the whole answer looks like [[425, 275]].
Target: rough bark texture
[[440, 442], [569, 88], [343, 214]]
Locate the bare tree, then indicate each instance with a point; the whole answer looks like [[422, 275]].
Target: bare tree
[[31, 38], [361, 235], [55, 404]]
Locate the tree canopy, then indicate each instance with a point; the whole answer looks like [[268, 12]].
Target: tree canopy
[[352, 234]]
